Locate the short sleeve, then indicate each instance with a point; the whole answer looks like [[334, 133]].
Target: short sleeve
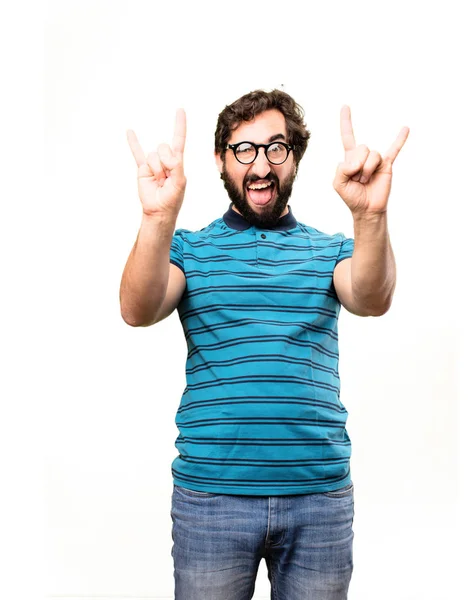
[[346, 248], [176, 254]]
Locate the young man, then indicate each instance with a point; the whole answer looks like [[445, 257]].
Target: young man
[[264, 457]]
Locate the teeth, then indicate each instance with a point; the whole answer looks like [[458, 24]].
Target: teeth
[[259, 186]]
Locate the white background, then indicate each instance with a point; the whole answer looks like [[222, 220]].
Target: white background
[[91, 401]]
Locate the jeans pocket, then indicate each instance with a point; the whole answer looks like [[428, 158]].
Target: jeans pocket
[[347, 490], [193, 493]]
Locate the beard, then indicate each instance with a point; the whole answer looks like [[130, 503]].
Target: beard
[[271, 212]]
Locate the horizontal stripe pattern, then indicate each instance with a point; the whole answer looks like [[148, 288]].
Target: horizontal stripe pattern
[[261, 412]]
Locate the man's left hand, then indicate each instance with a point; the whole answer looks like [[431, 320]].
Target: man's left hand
[[363, 181]]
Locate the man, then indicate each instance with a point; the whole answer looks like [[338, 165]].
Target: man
[[263, 468]]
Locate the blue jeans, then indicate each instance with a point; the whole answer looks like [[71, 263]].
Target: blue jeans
[[219, 540]]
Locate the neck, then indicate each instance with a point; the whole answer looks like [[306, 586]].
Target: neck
[[285, 211]]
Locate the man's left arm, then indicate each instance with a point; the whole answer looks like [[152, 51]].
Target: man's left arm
[[365, 282]]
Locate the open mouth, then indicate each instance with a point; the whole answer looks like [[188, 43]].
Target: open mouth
[[261, 193]]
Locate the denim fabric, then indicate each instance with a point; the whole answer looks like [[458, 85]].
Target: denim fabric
[[220, 539]]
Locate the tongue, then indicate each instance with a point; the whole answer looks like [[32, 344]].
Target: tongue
[[260, 196]]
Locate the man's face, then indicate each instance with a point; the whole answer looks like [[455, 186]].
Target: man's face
[[260, 208]]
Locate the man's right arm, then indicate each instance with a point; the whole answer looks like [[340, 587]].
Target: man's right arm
[[151, 287]]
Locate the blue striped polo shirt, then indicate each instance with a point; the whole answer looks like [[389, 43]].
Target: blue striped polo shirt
[[261, 411]]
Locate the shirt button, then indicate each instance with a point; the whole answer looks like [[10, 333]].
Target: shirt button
[[263, 236]]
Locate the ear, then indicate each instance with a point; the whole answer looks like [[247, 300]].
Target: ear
[[218, 162]]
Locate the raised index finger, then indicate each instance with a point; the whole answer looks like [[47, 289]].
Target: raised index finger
[[346, 128], [136, 149], [179, 139]]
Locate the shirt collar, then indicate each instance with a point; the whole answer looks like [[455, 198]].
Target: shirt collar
[[235, 221]]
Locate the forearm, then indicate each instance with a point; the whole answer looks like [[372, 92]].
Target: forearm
[[373, 268], [145, 277]]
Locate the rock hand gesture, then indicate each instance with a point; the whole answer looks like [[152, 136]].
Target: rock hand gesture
[[363, 181], [161, 179]]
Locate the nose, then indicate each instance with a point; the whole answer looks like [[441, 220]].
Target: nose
[[261, 165]]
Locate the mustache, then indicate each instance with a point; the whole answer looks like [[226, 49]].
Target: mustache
[[253, 178]]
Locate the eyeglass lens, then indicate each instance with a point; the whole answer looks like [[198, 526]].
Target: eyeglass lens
[[276, 153]]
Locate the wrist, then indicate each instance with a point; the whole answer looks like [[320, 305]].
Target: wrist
[[368, 227], [158, 219], [370, 217], [157, 227]]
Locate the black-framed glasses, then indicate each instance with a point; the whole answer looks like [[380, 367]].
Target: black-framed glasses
[[246, 152]]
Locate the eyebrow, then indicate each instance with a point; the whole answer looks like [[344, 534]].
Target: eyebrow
[[276, 137], [273, 138]]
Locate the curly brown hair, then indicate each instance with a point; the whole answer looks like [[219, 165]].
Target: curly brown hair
[[250, 105]]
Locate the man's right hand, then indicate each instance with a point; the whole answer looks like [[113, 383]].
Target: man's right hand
[[161, 179]]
